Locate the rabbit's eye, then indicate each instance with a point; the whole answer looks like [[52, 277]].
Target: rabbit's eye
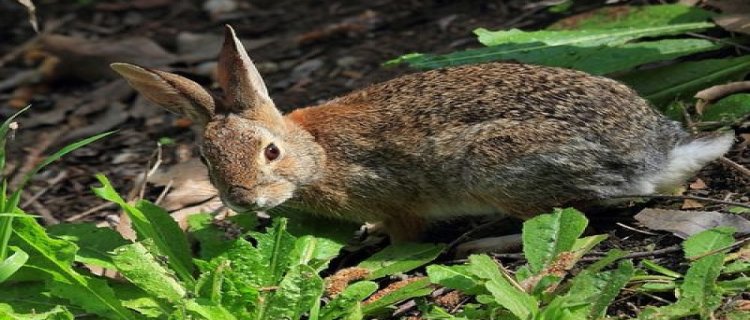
[[272, 152]]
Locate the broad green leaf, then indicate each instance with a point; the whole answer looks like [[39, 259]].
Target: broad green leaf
[[547, 235], [737, 266], [729, 110], [301, 223], [152, 222], [662, 85], [56, 313], [347, 300], [300, 289], [699, 287], [583, 245], [634, 16], [585, 38], [400, 258], [737, 286], [206, 310], [612, 256], [31, 297], [455, 277], [10, 205], [142, 302], [274, 247], [213, 240], [140, 267], [54, 257], [598, 290], [94, 243], [10, 265], [518, 302], [595, 60], [416, 288], [699, 292], [315, 252]]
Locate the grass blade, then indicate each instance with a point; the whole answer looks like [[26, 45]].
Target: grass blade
[[9, 266]]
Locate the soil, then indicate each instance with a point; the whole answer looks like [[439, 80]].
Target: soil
[[313, 51]]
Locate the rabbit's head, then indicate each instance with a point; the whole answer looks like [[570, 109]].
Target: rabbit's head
[[256, 158]]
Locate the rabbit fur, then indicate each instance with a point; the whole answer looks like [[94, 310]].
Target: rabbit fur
[[477, 139]]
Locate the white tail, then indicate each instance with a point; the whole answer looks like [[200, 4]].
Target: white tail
[[686, 159]]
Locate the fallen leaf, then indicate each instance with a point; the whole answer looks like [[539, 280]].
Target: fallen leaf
[[32, 13], [89, 60], [361, 23], [686, 223], [191, 191], [195, 47], [735, 14], [189, 184], [698, 184], [691, 204]]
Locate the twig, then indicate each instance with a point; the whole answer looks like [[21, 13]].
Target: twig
[[90, 211], [595, 256], [50, 27], [467, 234], [46, 215], [736, 166], [733, 245], [35, 155], [636, 230], [404, 308], [164, 192], [682, 197], [52, 182], [660, 299], [731, 43]]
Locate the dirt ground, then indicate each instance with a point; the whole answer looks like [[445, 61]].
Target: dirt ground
[[308, 52]]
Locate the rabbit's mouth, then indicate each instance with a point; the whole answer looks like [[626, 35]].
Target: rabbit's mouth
[[239, 203]]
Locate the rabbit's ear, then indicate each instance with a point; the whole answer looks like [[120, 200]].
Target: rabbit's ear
[[175, 93], [244, 90]]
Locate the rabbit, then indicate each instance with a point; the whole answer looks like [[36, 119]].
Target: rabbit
[[482, 139]]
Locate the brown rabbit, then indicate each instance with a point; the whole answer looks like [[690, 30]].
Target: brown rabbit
[[476, 139]]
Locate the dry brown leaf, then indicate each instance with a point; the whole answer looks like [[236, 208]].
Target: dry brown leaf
[[89, 59], [205, 46], [698, 184], [735, 14], [686, 223], [32, 13], [189, 185], [691, 204]]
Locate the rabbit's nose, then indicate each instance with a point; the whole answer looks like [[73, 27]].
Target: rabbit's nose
[[240, 199]]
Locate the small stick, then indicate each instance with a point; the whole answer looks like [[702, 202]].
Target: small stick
[[636, 230], [52, 182], [595, 256], [46, 215], [682, 197], [90, 211], [467, 234], [50, 27], [736, 166], [164, 192]]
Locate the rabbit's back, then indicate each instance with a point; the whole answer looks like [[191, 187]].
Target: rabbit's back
[[498, 132]]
